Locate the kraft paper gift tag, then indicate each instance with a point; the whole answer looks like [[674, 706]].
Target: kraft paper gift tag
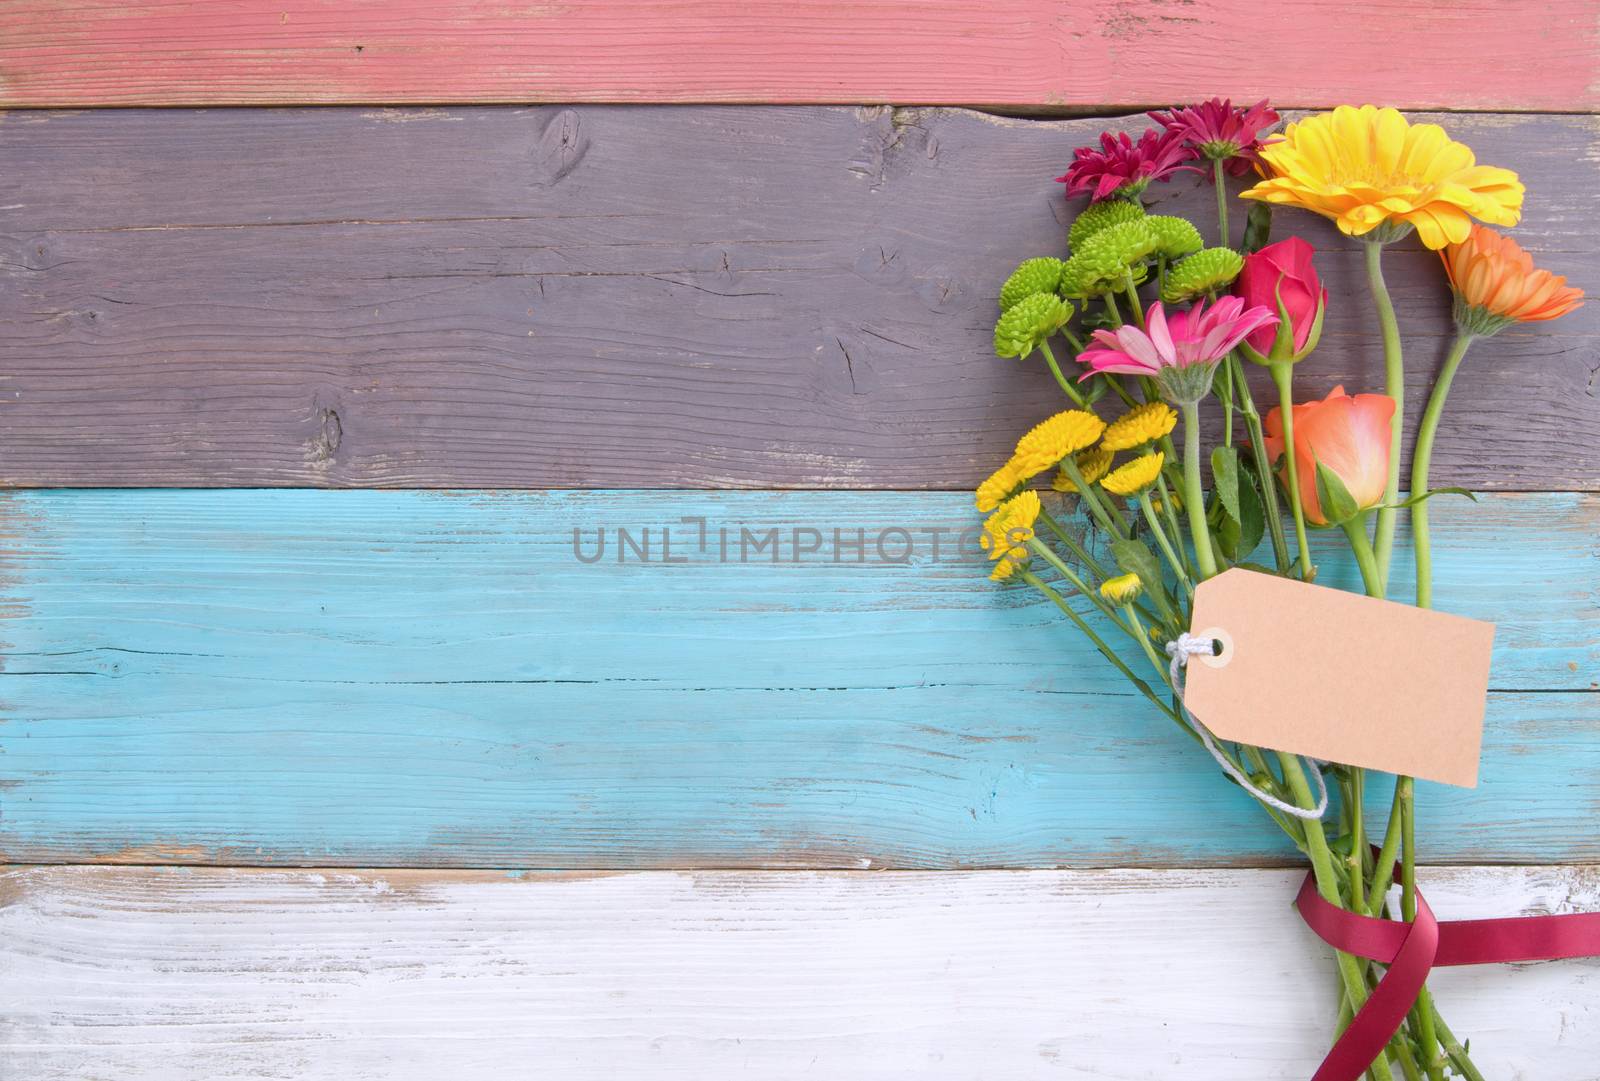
[[1340, 676]]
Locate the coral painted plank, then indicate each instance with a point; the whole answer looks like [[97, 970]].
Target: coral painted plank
[[436, 679], [1051, 53], [625, 297], [147, 974]]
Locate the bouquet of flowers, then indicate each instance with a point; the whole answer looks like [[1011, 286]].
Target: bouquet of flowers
[[1158, 327]]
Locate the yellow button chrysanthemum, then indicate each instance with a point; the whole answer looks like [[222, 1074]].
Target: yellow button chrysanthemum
[[1140, 425], [1049, 441], [999, 486], [1007, 531], [1123, 589], [1134, 477], [1092, 464], [1371, 167]]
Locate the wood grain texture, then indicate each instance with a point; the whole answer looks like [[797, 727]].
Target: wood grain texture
[[173, 975], [594, 297], [415, 678], [1031, 52]]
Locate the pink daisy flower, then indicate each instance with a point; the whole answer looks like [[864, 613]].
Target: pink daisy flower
[[1217, 131], [1124, 167], [1180, 350]]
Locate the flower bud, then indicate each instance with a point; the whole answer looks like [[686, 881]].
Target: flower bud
[[1282, 277]]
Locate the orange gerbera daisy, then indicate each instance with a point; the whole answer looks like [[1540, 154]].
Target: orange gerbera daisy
[[1496, 284], [1370, 167]]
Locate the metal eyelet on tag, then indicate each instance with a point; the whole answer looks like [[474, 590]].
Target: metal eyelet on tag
[[1225, 649]]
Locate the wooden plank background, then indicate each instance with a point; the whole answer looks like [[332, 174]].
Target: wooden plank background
[[613, 297], [477, 276], [412, 976], [1050, 53], [418, 678]]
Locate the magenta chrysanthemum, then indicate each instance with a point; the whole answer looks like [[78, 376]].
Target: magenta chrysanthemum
[[1217, 131], [1198, 336], [1121, 166]]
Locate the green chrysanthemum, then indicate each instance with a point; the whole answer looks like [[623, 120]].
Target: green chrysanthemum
[[1103, 261], [1176, 237], [1040, 275], [1030, 321], [1091, 273], [1129, 242], [1098, 216], [1209, 270]]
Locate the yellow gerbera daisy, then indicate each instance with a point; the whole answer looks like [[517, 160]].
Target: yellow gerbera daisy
[[1123, 589], [1371, 167], [1140, 425], [1093, 464], [1007, 531], [1049, 441], [999, 486], [1134, 477]]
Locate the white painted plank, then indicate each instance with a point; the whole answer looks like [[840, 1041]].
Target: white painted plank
[[138, 974]]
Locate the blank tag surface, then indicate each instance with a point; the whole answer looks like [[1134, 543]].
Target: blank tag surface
[[1340, 677]]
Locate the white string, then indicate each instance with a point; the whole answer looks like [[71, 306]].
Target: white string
[[1189, 645]]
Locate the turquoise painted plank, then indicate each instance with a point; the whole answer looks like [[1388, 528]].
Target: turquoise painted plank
[[420, 678]]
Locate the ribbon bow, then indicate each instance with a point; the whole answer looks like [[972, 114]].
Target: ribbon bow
[[1411, 950]]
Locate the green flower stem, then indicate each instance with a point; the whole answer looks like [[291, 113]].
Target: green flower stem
[[1164, 543], [1170, 513], [1399, 1044], [1383, 872], [1404, 791], [1366, 559], [1457, 1053], [1395, 387], [1115, 383], [1094, 565], [1193, 494], [1358, 840], [1422, 459], [1258, 450], [1108, 518], [1268, 782], [1132, 293], [1106, 651], [1043, 550], [1111, 306], [1072, 340], [1356, 530], [1226, 394], [1283, 377], [1327, 879], [1149, 649], [1222, 202], [1055, 370], [1073, 546]]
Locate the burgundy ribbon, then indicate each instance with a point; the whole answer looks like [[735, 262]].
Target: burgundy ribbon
[[1411, 950]]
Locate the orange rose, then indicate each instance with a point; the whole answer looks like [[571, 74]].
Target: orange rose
[[1348, 436]]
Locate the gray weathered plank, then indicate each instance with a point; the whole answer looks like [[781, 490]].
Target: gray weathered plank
[[613, 296]]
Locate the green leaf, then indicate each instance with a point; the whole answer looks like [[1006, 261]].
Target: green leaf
[[1414, 500], [1252, 516], [1338, 505], [1225, 478], [1239, 518], [1257, 227]]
